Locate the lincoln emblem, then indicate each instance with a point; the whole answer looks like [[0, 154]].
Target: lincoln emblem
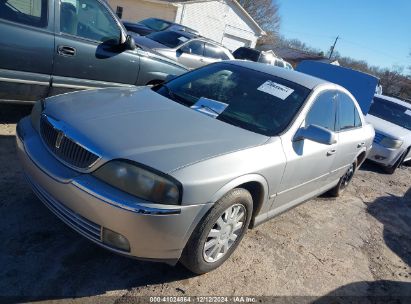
[[60, 136]]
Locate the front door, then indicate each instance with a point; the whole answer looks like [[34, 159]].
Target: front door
[[87, 50], [309, 163], [26, 49]]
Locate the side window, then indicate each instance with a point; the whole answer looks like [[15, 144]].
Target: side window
[[322, 112], [348, 116], [197, 47], [212, 51], [88, 19], [30, 12]]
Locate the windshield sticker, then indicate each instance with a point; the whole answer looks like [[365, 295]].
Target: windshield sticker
[[408, 112], [183, 39], [275, 89], [209, 107]]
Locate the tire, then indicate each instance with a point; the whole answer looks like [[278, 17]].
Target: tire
[[344, 181], [196, 257], [391, 169]]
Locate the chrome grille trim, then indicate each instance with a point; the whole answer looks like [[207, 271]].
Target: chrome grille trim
[[66, 149], [82, 225], [378, 137]]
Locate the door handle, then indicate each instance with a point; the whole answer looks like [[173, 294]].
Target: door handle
[[64, 50], [331, 152], [361, 145]]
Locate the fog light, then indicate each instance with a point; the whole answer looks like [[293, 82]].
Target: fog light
[[115, 240]]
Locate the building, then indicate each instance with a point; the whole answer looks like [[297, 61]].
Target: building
[[224, 21]]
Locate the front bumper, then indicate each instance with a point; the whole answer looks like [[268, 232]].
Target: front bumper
[[154, 231], [384, 156]]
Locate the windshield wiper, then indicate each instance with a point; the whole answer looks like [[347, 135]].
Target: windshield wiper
[[209, 108]]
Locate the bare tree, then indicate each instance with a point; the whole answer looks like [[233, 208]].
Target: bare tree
[[266, 14]]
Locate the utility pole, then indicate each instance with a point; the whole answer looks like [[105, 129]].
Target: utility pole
[[333, 47]]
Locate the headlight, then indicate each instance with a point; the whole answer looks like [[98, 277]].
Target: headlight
[[140, 181], [36, 114], [391, 143]]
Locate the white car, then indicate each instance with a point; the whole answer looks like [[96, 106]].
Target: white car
[[391, 119]]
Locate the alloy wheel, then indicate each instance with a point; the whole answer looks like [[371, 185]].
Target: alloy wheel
[[224, 233]]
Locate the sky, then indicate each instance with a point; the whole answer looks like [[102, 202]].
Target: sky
[[377, 31]]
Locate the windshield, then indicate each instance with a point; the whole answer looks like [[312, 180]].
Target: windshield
[[392, 112], [169, 39], [249, 99], [156, 24]]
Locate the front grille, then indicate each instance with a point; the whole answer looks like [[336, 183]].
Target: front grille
[[378, 137], [66, 150], [71, 218]]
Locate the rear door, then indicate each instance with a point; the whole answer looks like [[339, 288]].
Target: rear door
[[350, 134], [88, 52], [26, 49]]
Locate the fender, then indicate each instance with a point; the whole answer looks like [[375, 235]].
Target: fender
[[240, 181]]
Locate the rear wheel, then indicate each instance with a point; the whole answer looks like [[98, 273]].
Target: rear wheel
[[344, 181], [391, 169], [219, 233]]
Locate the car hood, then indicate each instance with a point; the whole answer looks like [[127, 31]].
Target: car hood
[[140, 125], [387, 128]]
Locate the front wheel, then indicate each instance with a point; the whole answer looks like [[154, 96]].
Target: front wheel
[[344, 181], [219, 233]]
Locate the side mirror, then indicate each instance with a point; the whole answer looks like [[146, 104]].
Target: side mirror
[[185, 49], [129, 44], [317, 134]]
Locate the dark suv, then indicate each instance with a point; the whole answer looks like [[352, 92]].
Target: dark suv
[[49, 47]]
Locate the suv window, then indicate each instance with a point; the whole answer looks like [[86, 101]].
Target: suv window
[[216, 52], [348, 116], [88, 19], [30, 12], [322, 112]]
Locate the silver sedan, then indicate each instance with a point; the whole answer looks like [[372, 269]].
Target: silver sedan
[[180, 171]]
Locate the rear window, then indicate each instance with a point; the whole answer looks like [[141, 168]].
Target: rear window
[[168, 38], [156, 24], [30, 12]]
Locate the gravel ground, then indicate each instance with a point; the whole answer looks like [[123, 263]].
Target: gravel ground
[[356, 245]]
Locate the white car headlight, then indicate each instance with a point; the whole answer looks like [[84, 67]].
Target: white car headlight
[[141, 181], [391, 143]]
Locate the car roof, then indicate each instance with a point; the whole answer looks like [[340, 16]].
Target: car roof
[[305, 80], [394, 100]]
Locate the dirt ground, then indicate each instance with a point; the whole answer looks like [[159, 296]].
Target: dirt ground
[[356, 245]]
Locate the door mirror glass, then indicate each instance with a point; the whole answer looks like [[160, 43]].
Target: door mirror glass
[[317, 134], [185, 49]]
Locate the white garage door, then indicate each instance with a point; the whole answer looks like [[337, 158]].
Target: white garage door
[[232, 42]]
